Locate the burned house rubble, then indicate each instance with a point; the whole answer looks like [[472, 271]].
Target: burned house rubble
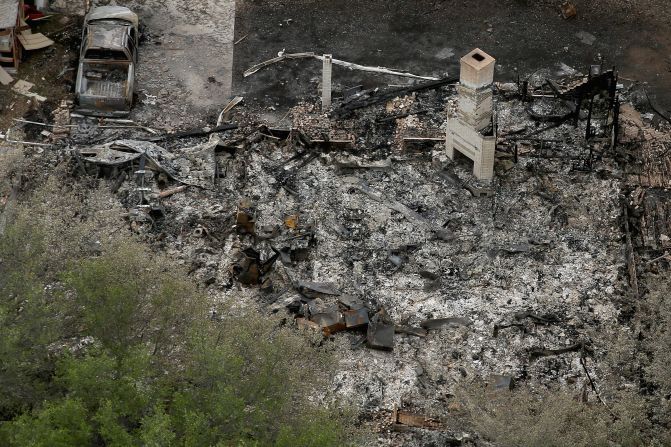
[[361, 227], [442, 232]]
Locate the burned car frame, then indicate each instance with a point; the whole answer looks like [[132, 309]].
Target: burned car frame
[[107, 60]]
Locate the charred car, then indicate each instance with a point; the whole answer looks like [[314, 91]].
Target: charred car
[[107, 60]]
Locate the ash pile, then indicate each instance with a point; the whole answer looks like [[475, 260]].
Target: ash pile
[[355, 224]]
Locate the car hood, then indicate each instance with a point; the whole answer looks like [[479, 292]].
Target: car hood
[[113, 12], [104, 34]]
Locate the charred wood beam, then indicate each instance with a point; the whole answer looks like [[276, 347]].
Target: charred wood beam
[[544, 140], [612, 91], [193, 133], [588, 128], [119, 181], [80, 163], [419, 332], [345, 109], [535, 353], [519, 316], [593, 386], [409, 214], [631, 256], [593, 85], [616, 122], [547, 319], [554, 88], [524, 93], [402, 419], [169, 192], [545, 128]]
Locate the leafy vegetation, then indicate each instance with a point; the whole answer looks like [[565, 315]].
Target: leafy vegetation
[[104, 343]]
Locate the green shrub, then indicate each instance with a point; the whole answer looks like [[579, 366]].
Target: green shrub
[[27, 323], [62, 423], [114, 346], [129, 296]]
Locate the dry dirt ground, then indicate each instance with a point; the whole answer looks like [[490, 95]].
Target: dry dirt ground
[[429, 36], [185, 65], [548, 242]]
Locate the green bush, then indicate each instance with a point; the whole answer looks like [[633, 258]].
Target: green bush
[[129, 296], [27, 326], [61, 423], [219, 395], [114, 346]]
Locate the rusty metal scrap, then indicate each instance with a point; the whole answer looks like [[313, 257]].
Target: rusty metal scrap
[[310, 288], [356, 318], [250, 269], [568, 10], [247, 269], [380, 334], [291, 222], [408, 419], [330, 323], [304, 323], [245, 220]]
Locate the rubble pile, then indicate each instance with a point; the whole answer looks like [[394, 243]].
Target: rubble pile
[[359, 223], [422, 277]]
